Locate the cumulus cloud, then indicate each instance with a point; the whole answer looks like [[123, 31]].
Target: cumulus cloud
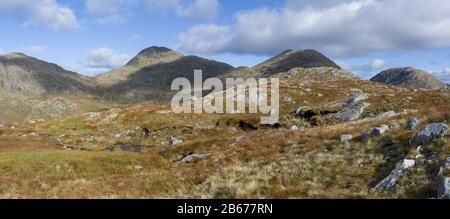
[[105, 58], [443, 75], [110, 11], [1, 51], [186, 8], [337, 27], [48, 12], [366, 70]]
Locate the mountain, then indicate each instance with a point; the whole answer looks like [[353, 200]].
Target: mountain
[[290, 59], [149, 75], [410, 78], [146, 58], [28, 76]]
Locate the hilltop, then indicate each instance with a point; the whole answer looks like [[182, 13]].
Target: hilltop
[[409, 77]]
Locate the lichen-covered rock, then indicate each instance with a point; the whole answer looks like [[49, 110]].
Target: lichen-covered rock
[[444, 189], [174, 141], [350, 113], [413, 123], [429, 133], [399, 171]]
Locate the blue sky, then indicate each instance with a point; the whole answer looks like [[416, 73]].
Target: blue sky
[[365, 37]]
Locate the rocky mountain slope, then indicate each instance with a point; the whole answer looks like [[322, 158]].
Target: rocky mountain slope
[[152, 82], [410, 78], [293, 59], [28, 76]]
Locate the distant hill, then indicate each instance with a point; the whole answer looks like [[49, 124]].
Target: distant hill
[[290, 59], [28, 76], [410, 78]]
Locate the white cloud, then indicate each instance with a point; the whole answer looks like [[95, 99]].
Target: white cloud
[[199, 9], [443, 75], [48, 12], [186, 8], [378, 64], [1, 51], [109, 11], [105, 58], [339, 27]]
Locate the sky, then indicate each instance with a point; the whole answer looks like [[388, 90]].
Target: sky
[[362, 36]]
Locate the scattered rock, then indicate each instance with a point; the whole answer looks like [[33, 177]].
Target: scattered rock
[[387, 114], [429, 133], [413, 123], [124, 148], [287, 99], [445, 167], [363, 138], [444, 189], [346, 138], [174, 141], [293, 128], [399, 171], [378, 131], [194, 157]]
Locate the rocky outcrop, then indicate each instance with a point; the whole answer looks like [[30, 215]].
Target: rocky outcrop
[[399, 171], [444, 189], [349, 113], [429, 133]]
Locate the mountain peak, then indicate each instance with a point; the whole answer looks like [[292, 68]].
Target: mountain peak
[[290, 59], [154, 55]]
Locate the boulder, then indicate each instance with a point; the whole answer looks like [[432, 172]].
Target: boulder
[[387, 114], [350, 113], [412, 123], [346, 138], [429, 133], [399, 171], [174, 141], [363, 138], [378, 131], [445, 167], [193, 157], [293, 128], [357, 98], [444, 189]]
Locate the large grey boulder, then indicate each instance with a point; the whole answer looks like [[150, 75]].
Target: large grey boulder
[[429, 133], [444, 189], [350, 113], [399, 171], [413, 123], [357, 98], [387, 114]]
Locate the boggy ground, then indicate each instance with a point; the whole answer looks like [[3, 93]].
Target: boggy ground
[[67, 158]]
